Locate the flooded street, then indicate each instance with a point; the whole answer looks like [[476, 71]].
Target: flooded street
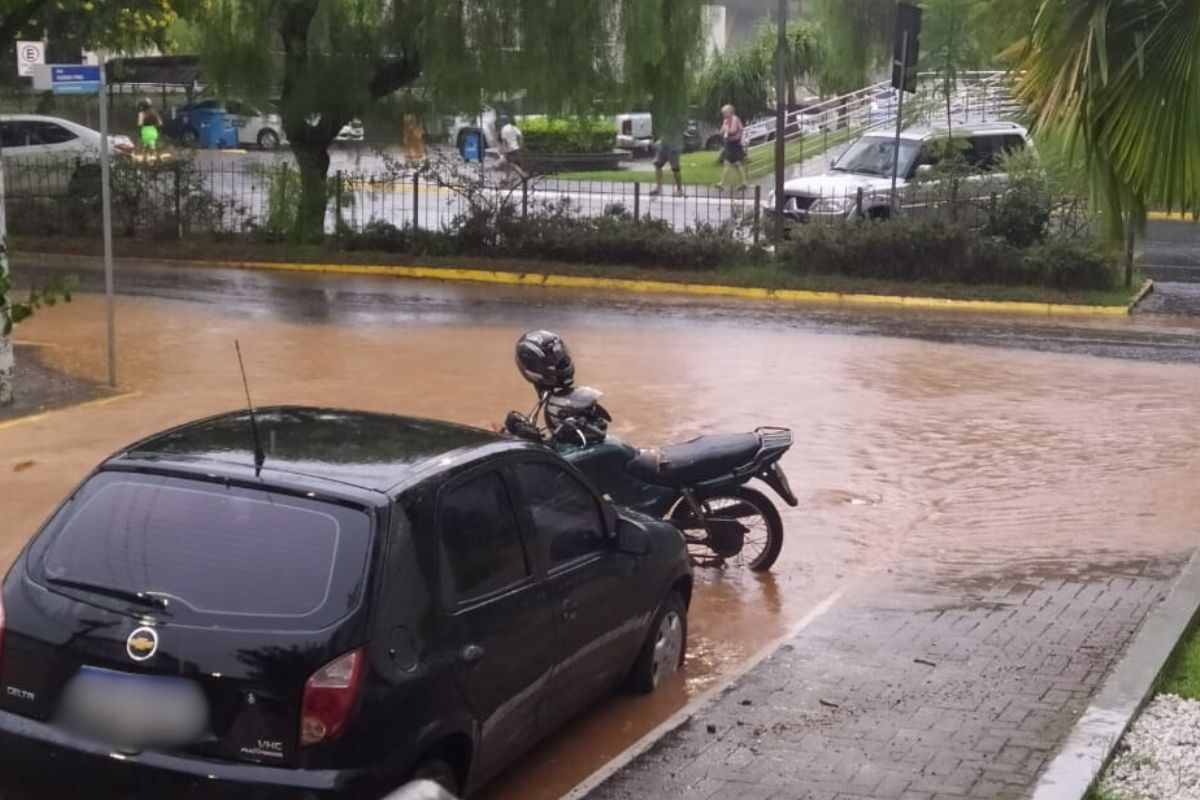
[[920, 461]]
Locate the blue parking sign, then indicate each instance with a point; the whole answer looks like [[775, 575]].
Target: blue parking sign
[[75, 79]]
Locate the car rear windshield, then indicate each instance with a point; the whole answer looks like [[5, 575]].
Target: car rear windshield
[[215, 550]]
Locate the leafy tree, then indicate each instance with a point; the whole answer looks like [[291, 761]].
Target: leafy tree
[[858, 36], [1122, 77], [69, 25], [338, 57], [951, 44], [746, 77], [658, 73]]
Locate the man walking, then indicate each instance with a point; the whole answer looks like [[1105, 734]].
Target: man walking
[[670, 148], [733, 152], [512, 150]]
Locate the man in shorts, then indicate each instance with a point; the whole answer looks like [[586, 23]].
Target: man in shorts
[[670, 148], [512, 151], [733, 152]]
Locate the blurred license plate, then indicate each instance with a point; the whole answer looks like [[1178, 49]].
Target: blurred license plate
[[136, 711]]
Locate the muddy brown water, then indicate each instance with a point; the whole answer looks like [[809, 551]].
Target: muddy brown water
[[927, 462]]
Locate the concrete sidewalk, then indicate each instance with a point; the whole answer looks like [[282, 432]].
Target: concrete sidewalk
[[902, 696]]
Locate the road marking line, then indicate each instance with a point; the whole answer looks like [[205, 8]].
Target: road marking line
[[698, 703], [102, 401]]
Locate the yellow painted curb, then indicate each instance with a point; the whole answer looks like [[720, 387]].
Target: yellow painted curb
[[102, 401], [1178, 216], [669, 287], [512, 278]]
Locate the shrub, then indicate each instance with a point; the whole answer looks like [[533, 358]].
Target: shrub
[[558, 136], [1021, 214], [1072, 263], [934, 252]]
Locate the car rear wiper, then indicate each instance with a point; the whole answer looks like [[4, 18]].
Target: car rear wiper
[[141, 598]]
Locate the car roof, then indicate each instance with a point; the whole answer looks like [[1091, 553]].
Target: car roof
[[920, 133], [372, 451], [66, 123]]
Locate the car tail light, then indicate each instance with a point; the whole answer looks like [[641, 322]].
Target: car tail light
[[329, 697]]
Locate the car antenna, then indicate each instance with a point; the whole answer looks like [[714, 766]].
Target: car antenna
[[259, 455]]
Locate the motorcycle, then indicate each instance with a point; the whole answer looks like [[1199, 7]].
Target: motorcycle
[[700, 485]]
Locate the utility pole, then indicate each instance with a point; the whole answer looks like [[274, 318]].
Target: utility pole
[[781, 94], [106, 212], [6, 350]]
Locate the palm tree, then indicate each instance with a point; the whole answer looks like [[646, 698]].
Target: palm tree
[[1123, 78]]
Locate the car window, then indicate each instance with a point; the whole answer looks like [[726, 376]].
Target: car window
[[220, 551], [50, 133], [10, 136], [208, 105], [565, 514], [481, 542], [19, 134], [235, 107]]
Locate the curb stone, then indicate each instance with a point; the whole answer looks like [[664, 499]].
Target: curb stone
[[551, 280], [702, 701], [1094, 739], [1143, 293]]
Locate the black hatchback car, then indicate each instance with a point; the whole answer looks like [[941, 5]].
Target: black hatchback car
[[363, 599]]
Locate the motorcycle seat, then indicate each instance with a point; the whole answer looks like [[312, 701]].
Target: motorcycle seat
[[703, 459]]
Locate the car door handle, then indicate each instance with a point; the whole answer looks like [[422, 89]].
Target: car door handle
[[569, 609], [473, 654]]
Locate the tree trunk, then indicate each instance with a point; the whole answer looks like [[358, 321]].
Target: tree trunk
[[6, 350], [1130, 241], [313, 159]]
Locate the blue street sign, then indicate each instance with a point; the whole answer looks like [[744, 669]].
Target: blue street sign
[[75, 79]]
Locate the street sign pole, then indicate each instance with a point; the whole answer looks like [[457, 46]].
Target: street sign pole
[[106, 203], [900, 113], [781, 95]]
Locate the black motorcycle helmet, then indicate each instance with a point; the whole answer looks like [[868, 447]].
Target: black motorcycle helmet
[[544, 361]]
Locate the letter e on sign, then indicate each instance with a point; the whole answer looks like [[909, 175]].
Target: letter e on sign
[[29, 55]]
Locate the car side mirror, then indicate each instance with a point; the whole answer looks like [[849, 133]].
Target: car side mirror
[[633, 538]]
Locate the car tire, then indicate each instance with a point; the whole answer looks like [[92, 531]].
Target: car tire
[[189, 137], [663, 653], [268, 140], [439, 771]]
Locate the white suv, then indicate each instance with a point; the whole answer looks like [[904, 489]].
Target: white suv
[[858, 185]]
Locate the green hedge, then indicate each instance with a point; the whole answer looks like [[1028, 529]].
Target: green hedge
[[934, 252], [568, 135]]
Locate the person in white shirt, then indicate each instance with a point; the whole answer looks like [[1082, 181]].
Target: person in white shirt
[[512, 150]]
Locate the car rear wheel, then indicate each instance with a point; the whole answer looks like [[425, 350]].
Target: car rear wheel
[[190, 137], [663, 653], [268, 140], [439, 771]]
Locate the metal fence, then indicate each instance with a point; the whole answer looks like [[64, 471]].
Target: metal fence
[[175, 197]]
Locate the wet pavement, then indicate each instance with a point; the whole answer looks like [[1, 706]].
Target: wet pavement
[[371, 300], [930, 471], [1171, 257]]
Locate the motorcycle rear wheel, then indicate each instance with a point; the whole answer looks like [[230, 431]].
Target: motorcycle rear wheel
[[763, 539]]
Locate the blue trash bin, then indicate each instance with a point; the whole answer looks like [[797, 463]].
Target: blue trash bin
[[216, 129], [472, 146]]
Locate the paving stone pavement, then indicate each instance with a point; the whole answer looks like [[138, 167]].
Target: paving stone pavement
[[902, 696]]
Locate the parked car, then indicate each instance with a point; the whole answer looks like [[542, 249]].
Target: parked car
[[360, 600], [254, 127], [867, 166], [48, 156], [635, 132]]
